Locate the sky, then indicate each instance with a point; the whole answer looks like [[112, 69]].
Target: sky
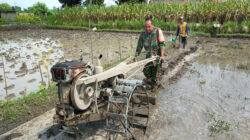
[[50, 3]]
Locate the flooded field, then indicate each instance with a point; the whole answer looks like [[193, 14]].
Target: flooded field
[[28, 54], [209, 98], [206, 93]]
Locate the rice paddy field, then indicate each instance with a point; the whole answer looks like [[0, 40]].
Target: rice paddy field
[[205, 88]]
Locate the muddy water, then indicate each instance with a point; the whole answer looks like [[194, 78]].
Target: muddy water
[[207, 99], [21, 59], [210, 99], [24, 50]]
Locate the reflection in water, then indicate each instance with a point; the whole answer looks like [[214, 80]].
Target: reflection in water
[[21, 59], [21, 47], [204, 96]]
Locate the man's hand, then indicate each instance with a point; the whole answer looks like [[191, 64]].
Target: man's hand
[[162, 58]]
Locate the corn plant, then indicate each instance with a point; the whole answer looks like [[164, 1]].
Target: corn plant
[[204, 12]]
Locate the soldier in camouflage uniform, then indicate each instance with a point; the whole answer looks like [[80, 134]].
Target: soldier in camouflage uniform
[[152, 40]]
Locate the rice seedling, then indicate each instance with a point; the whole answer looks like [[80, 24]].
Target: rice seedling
[[45, 61], [242, 66]]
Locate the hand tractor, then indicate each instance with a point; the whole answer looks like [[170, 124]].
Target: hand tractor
[[84, 89]]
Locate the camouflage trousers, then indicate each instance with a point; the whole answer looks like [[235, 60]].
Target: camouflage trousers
[[152, 71]]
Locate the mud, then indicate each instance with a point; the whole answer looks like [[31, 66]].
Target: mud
[[205, 95], [206, 99], [24, 50], [93, 130], [10, 87], [10, 96]]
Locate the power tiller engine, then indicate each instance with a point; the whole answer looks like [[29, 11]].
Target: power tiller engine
[[84, 89]]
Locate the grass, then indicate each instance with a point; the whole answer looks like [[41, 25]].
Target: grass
[[217, 126], [193, 33], [108, 66], [86, 28], [228, 29], [139, 25], [233, 35], [233, 46], [242, 66], [238, 46], [67, 27], [11, 110], [203, 82], [28, 18]]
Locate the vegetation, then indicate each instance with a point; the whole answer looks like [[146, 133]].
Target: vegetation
[[129, 1], [70, 3], [2, 21], [28, 10], [10, 110], [94, 2], [108, 66], [202, 82], [139, 25], [16, 8], [28, 18], [217, 126], [201, 17], [205, 12], [39, 9], [243, 66], [5, 7]]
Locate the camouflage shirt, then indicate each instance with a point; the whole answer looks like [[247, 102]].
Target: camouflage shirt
[[151, 42]]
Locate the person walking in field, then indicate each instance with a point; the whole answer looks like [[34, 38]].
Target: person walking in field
[[152, 40], [182, 32]]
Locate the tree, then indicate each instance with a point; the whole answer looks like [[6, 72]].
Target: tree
[[94, 2], [39, 9], [16, 8], [5, 7], [28, 10], [129, 1], [70, 3]]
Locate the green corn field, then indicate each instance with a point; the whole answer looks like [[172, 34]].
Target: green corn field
[[197, 12]]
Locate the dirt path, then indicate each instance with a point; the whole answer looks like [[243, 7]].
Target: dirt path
[[32, 128]]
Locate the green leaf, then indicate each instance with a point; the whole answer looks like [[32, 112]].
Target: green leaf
[[41, 87]]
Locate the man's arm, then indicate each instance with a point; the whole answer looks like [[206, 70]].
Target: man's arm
[[187, 29], [161, 41], [177, 32]]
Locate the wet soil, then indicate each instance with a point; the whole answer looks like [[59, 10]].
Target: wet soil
[[208, 98], [205, 97], [24, 50], [89, 127]]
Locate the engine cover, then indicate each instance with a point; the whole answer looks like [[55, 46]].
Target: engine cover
[[66, 71]]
